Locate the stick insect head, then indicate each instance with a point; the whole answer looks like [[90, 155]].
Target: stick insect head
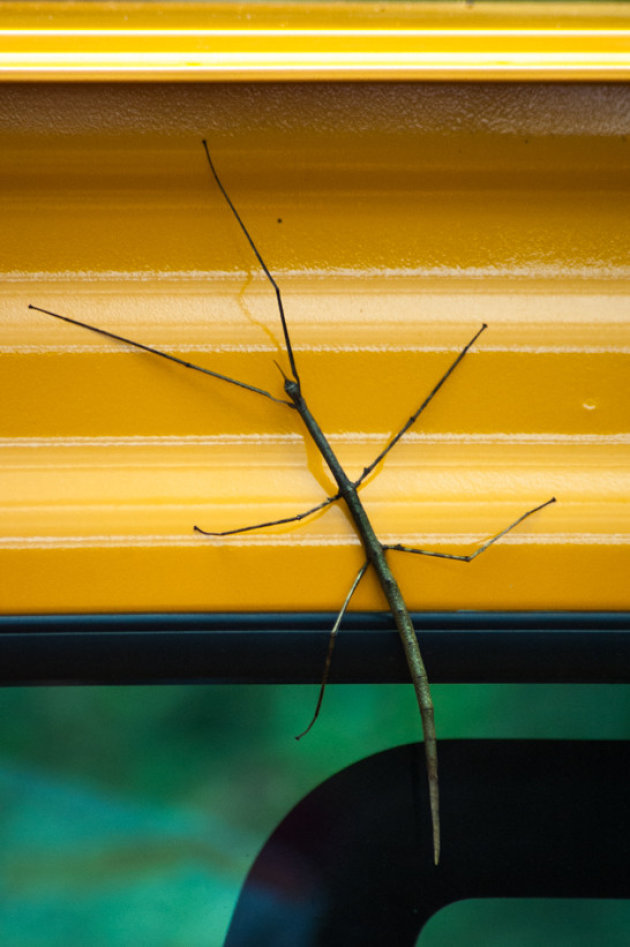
[[291, 385]]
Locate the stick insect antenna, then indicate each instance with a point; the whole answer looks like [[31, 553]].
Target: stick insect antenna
[[250, 240]]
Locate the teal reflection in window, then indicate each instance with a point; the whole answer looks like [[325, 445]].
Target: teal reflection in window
[[529, 923], [131, 815]]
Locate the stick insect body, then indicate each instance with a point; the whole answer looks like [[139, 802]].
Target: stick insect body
[[374, 550]]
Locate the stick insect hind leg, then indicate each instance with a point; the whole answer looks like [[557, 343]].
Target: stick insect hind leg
[[399, 547]]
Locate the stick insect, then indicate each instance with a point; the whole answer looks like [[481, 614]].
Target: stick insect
[[347, 491]]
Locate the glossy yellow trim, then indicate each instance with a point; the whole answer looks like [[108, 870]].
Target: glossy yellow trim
[[331, 41], [396, 219]]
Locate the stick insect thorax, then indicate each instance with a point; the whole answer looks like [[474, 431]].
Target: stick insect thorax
[[375, 551]]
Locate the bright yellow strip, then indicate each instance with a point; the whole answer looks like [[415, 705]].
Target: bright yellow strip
[[396, 219], [314, 41]]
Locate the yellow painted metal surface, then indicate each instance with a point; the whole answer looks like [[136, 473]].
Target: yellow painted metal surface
[[396, 217], [288, 41]]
